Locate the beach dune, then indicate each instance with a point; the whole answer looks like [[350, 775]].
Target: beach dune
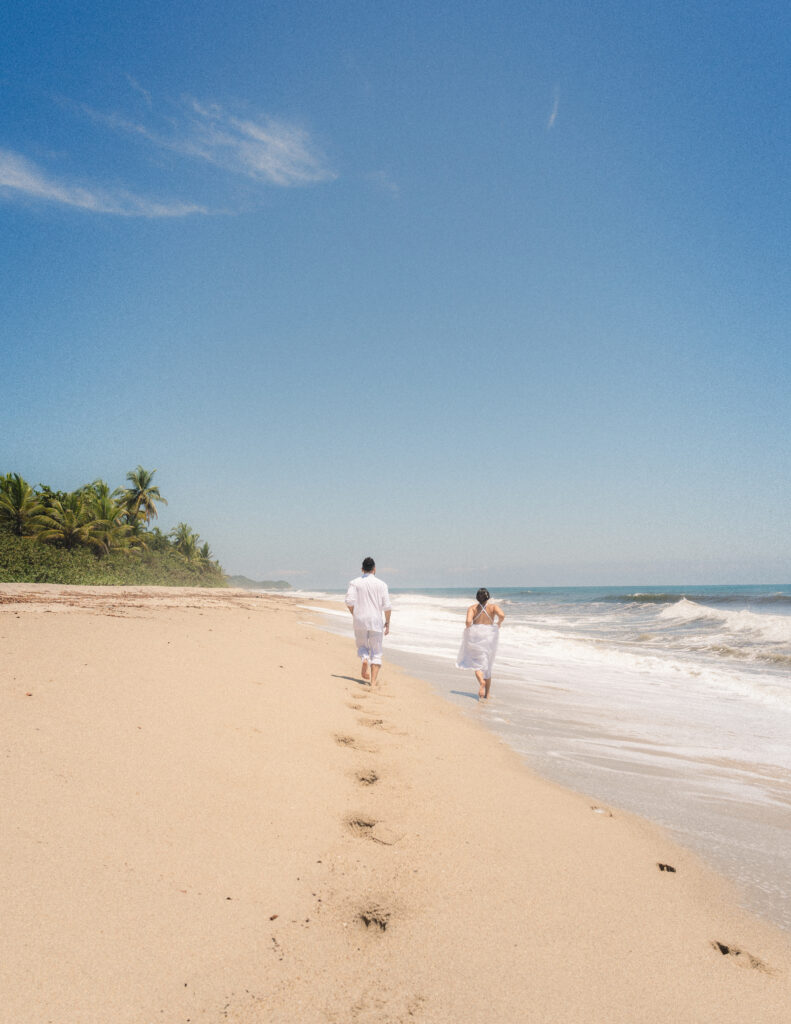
[[207, 817]]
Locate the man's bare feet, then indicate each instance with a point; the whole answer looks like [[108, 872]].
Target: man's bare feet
[[364, 671]]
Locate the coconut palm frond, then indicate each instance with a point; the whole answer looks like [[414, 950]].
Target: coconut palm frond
[[185, 540], [141, 496], [19, 505]]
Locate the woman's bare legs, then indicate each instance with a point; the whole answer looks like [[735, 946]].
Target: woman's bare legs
[[488, 685], [482, 689]]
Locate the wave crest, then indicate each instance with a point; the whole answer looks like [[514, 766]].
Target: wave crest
[[667, 597], [775, 629]]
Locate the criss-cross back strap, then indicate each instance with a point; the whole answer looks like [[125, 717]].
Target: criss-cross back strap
[[481, 610]]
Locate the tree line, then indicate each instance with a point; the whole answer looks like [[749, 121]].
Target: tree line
[[108, 523]]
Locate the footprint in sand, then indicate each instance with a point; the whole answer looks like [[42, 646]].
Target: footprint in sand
[[369, 828], [361, 826], [353, 743], [741, 958], [375, 917]]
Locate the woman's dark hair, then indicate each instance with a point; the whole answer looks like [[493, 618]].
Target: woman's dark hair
[[482, 596], [368, 564]]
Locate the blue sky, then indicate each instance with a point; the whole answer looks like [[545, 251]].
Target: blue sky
[[498, 293]]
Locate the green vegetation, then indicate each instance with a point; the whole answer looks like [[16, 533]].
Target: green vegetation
[[248, 584], [97, 536]]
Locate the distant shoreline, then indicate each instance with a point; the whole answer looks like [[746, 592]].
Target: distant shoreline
[[247, 584]]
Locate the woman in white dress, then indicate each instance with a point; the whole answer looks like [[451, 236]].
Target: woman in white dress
[[479, 643]]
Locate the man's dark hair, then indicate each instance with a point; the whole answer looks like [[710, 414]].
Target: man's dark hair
[[368, 564]]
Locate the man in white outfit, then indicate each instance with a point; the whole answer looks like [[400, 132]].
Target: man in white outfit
[[369, 602]]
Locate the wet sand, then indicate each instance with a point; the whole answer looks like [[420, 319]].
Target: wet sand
[[736, 815]]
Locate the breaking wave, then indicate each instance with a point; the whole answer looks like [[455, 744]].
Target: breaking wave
[[775, 629]]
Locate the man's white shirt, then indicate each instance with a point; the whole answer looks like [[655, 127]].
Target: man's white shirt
[[370, 599]]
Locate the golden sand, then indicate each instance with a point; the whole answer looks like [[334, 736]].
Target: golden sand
[[207, 818]]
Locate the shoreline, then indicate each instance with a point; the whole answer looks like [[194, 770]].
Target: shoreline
[[210, 815], [731, 813], [747, 843]]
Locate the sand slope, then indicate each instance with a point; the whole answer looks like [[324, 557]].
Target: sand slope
[[206, 817]]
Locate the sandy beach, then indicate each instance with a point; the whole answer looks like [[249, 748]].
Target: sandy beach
[[207, 817]]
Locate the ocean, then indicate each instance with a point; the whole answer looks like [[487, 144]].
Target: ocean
[[670, 702]]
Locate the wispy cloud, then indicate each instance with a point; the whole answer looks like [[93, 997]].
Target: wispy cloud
[[263, 148], [20, 176], [266, 149], [554, 113], [139, 89]]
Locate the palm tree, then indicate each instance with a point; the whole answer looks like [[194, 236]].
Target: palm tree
[[185, 541], [110, 529], [99, 489], [141, 496], [19, 505], [69, 523], [208, 563]]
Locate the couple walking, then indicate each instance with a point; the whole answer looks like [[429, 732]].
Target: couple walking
[[368, 600]]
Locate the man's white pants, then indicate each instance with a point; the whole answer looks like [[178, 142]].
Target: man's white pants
[[369, 644]]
